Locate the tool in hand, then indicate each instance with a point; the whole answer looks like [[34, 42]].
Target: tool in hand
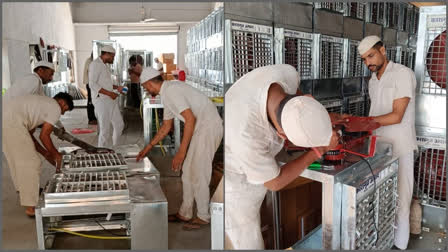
[[63, 135]]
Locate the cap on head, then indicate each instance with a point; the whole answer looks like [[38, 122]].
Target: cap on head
[[306, 122], [367, 43], [148, 73], [44, 63], [108, 48]]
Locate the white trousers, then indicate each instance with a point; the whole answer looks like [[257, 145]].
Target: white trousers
[[197, 170], [242, 212], [405, 188], [109, 119], [23, 161]]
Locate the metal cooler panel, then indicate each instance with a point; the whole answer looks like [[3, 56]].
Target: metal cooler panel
[[93, 162], [251, 46], [331, 52]]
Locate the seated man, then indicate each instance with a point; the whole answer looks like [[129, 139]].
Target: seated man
[[20, 118]]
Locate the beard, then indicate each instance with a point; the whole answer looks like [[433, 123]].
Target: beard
[[375, 68]]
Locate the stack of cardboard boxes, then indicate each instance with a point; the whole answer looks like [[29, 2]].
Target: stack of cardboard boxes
[[168, 65]]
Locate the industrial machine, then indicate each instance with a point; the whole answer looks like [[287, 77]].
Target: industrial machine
[[108, 191], [430, 121]]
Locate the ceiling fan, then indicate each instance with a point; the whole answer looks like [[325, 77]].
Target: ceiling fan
[[143, 15]]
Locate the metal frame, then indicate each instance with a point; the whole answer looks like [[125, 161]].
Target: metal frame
[[353, 66], [330, 56], [247, 46], [428, 31], [356, 10], [299, 52]]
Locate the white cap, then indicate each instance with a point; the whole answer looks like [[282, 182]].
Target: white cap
[[367, 43], [148, 73], [108, 48], [44, 63], [306, 122]]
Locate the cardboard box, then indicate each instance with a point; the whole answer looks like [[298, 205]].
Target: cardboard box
[[167, 68], [167, 61], [167, 58], [170, 77]]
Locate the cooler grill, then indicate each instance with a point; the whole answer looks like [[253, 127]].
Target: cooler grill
[[331, 58], [434, 62], [391, 53], [298, 54], [85, 162], [357, 10], [355, 61], [91, 182], [356, 106]]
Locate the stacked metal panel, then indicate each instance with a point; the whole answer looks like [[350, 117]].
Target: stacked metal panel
[[376, 13], [334, 6], [356, 10], [331, 52], [430, 69], [204, 58], [251, 46]]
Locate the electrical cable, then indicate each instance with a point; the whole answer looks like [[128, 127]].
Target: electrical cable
[[110, 232], [374, 192], [89, 236]]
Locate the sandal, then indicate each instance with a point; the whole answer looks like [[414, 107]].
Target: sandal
[[30, 212], [177, 218], [194, 224]]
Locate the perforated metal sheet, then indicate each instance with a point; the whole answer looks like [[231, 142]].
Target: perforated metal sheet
[[355, 61], [331, 57], [429, 176], [357, 10], [250, 50], [375, 215], [392, 15], [91, 182], [298, 53], [93, 162]]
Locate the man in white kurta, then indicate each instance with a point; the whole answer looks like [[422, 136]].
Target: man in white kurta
[[202, 135], [20, 118], [32, 83], [261, 110], [104, 99], [392, 94]]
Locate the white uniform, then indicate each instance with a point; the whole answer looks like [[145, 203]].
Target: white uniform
[[27, 85], [19, 117], [398, 82], [251, 144], [176, 97], [107, 111]]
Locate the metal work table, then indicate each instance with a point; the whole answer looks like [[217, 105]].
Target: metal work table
[[141, 201], [346, 191]]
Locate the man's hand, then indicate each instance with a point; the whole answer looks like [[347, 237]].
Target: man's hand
[[338, 118], [142, 154], [177, 161], [333, 143], [113, 95], [120, 89], [58, 162]]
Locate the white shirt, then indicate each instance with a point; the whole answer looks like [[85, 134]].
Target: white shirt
[[99, 77], [31, 111], [85, 79], [251, 142], [159, 66], [27, 85], [176, 96], [396, 82]]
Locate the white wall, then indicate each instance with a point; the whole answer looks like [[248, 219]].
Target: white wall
[[25, 23], [84, 35]]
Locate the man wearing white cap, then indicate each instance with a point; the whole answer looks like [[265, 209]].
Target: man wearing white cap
[[202, 135], [32, 83], [104, 98], [392, 94], [262, 110]]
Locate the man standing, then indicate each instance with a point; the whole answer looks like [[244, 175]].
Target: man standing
[[392, 94], [262, 110], [201, 138], [104, 98], [20, 118], [135, 69], [32, 83], [90, 108], [159, 65]]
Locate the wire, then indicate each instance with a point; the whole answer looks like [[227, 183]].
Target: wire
[[89, 236], [110, 232], [374, 192], [157, 127]]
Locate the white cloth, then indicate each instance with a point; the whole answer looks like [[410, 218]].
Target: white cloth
[[251, 144], [85, 77], [298, 120], [396, 82], [19, 117], [107, 111], [176, 97], [242, 211], [30, 84], [99, 77], [405, 190]]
